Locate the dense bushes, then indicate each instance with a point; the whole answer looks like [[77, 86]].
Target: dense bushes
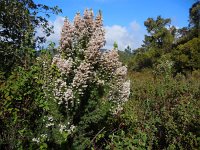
[[21, 102], [77, 97], [187, 56], [162, 113]]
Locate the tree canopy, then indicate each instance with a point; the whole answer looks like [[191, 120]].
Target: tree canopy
[[19, 20]]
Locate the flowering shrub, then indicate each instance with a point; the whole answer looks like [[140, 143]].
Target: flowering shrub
[[82, 81]]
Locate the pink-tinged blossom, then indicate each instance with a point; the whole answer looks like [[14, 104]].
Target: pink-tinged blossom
[[119, 95], [125, 91], [97, 41], [110, 61], [63, 65], [78, 24], [82, 77], [98, 21], [121, 71], [81, 63], [66, 38], [62, 93], [88, 19], [92, 53]]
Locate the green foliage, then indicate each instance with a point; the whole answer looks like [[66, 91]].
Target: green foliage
[[125, 57], [21, 97], [160, 37], [194, 13], [115, 45], [187, 56], [18, 22], [25, 112], [162, 113], [142, 60], [128, 50], [163, 110], [157, 43]]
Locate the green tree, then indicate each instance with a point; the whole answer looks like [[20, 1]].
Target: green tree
[[115, 45], [187, 56], [193, 30], [160, 36], [194, 18], [18, 22], [159, 41], [186, 48], [128, 49]]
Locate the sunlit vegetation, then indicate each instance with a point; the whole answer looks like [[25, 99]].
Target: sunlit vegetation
[[77, 96]]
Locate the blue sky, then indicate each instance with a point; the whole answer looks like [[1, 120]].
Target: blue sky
[[123, 19]]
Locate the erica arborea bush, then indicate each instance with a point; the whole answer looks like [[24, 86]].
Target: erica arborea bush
[[82, 76]]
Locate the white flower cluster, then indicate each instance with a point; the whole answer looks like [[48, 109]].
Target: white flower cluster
[[124, 92], [110, 61], [88, 17], [66, 37], [49, 121], [164, 67], [119, 94], [78, 25], [37, 140], [42, 137], [120, 87], [63, 128], [63, 65], [116, 110], [82, 76], [71, 129], [83, 64], [121, 71], [63, 94], [97, 41]]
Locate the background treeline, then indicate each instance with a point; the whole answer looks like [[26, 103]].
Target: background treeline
[[163, 108], [164, 41]]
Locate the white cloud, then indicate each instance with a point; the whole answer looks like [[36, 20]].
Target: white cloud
[[120, 35], [58, 23], [135, 26], [132, 35]]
